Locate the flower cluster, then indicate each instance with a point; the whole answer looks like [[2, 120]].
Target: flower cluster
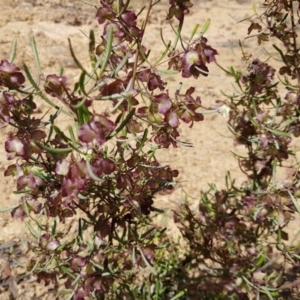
[[164, 114], [193, 61], [178, 8]]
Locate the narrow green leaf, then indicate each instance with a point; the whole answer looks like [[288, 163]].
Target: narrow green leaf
[[274, 167], [61, 71], [92, 44], [21, 192], [72, 293], [32, 231], [147, 263], [98, 63], [164, 54], [133, 256], [61, 247], [260, 34], [223, 69], [205, 28], [180, 294], [168, 72], [252, 120], [277, 106], [113, 96], [67, 271], [91, 173], [41, 176], [108, 50], [206, 112], [72, 135], [53, 150], [247, 281], [152, 167], [124, 123], [150, 231], [35, 54], [145, 55], [268, 293], [234, 74], [157, 210], [158, 234], [76, 280], [123, 238], [77, 62], [83, 114], [194, 32], [277, 132], [295, 202], [82, 83], [162, 38], [143, 140], [178, 35], [79, 104], [157, 288], [5, 209], [13, 51], [257, 212], [80, 231], [53, 231], [60, 133], [281, 54], [254, 9], [34, 267], [117, 238], [120, 66]]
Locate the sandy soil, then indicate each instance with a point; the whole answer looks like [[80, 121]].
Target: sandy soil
[[52, 22]]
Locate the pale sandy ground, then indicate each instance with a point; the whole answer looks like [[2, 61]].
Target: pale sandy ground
[[51, 22]]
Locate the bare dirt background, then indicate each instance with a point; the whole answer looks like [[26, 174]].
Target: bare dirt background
[[52, 22]]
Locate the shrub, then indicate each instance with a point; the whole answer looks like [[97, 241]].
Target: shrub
[[102, 171]]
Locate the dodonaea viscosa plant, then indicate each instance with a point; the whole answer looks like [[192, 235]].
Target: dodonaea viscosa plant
[[102, 171]]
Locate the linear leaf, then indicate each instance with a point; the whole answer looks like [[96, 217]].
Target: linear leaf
[[120, 66], [35, 54], [108, 50], [5, 209], [124, 123], [91, 173], [32, 231], [295, 202], [180, 294], [194, 32], [53, 150], [147, 263], [92, 48], [277, 132], [13, 51], [77, 62], [168, 72], [82, 83], [205, 28], [166, 51]]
